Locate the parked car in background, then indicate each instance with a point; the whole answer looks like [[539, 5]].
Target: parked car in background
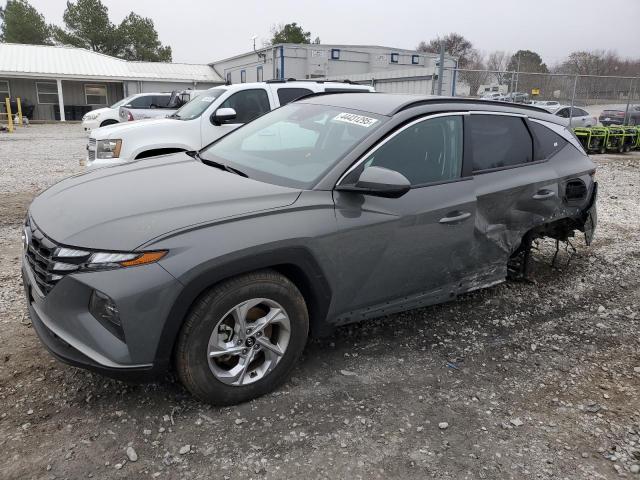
[[499, 97], [156, 106], [102, 117], [330, 210], [577, 118], [517, 97], [617, 116], [207, 117], [550, 105]]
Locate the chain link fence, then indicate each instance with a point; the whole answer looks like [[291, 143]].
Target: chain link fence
[[597, 97]]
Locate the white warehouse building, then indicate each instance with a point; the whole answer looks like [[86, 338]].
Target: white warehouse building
[[318, 61]]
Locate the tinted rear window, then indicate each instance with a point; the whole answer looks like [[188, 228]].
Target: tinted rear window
[[548, 142], [288, 95], [499, 141]]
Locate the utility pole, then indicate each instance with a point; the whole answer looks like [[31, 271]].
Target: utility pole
[[441, 68], [518, 74], [626, 112], [573, 100]]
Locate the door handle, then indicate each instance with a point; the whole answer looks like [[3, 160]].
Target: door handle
[[544, 194], [460, 217]]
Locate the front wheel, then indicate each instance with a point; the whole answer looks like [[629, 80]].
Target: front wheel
[[242, 338]]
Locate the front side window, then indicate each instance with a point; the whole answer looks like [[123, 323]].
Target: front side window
[[47, 92], [294, 145], [288, 95], [426, 152], [160, 101], [499, 141], [248, 104], [141, 102], [95, 94]]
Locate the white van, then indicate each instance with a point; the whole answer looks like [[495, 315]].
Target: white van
[[204, 119]]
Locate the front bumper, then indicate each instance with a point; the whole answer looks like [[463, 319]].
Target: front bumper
[[62, 321], [89, 125]]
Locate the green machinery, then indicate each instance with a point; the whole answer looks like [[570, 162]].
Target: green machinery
[[618, 138], [593, 139]]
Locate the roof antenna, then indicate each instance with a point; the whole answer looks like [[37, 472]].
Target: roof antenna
[[261, 55]]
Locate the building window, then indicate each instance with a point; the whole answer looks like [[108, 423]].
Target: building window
[[243, 76], [95, 94], [335, 54], [228, 78], [395, 57], [47, 93], [415, 59], [4, 91], [259, 74]]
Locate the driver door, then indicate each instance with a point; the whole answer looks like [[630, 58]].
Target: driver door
[[249, 104], [416, 249]]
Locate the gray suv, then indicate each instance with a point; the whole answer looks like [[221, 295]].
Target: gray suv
[[333, 209]]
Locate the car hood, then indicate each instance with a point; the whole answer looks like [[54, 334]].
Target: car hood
[[120, 129], [121, 208]]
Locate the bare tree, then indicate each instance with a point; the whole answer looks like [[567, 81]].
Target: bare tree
[[454, 44], [498, 62]]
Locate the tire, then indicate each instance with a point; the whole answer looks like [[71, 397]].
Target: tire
[[209, 319], [108, 122]]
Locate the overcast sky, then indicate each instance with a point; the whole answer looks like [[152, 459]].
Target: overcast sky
[[201, 31]]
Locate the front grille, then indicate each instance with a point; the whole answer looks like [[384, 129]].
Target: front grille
[[42, 255], [91, 149]]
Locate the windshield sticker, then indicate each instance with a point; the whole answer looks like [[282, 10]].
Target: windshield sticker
[[354, 119], [206, 99]]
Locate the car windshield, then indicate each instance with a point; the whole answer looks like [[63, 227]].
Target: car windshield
[[195, 107], [121, 102], [294, 145]]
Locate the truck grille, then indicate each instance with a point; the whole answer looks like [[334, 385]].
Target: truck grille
[[91, 149], [42, 256]]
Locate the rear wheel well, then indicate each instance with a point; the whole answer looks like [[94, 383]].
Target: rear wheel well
[[158, 151]]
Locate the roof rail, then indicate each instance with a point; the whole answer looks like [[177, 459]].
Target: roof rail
[[430, 101], [320, 94]]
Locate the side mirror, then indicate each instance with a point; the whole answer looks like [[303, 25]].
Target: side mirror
[[379, 181], [223, 115]]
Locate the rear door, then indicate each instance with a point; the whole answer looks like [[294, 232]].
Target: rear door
[[396, 253], [515, 186], [249, 104]]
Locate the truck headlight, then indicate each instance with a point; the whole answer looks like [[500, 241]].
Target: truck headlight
[[108, 148], [90, 116]]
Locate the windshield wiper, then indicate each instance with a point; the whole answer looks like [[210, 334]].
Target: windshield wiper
[[219, 165], [173, 115]]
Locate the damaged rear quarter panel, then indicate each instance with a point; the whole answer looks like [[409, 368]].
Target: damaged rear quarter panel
[[507, 209]]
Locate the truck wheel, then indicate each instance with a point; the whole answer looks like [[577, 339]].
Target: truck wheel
[[108, 122], [242, 338]]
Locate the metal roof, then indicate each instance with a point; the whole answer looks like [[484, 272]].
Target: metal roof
[[44, 61]]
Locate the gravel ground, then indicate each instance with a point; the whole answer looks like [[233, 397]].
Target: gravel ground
[[535, 380]]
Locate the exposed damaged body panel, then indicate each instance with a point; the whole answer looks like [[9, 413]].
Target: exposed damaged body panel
[[397, 253]]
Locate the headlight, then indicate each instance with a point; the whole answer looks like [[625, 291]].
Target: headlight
[[73, 259], [108, 148]]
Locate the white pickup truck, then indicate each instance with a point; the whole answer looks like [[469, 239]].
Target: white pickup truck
[[204, 119], [156, 106]]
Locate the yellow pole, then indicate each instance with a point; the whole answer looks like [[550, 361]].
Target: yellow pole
[[19, 110], [9, 118]]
